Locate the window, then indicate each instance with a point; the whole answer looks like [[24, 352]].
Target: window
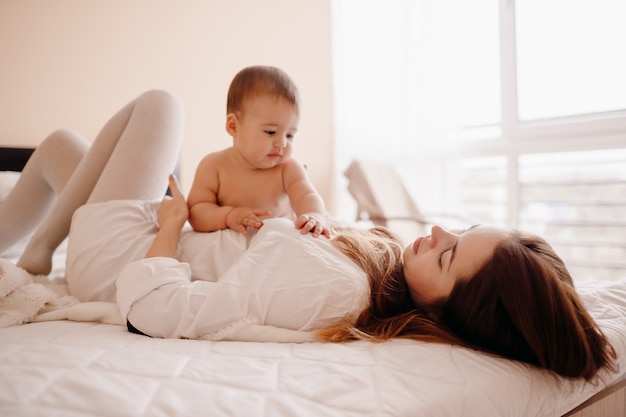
[[578, 201], [568, 57], [513, 112]]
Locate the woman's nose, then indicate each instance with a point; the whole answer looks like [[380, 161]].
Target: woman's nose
[[438, 234]]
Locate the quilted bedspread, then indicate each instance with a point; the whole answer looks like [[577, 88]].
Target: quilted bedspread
[[64, 368]]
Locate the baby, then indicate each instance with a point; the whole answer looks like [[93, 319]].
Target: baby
[[257, 177]]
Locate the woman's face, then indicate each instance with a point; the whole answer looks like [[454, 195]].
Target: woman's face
[[433, 264]]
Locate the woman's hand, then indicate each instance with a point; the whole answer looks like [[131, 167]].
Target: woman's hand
[[173, 211], [171, 215]]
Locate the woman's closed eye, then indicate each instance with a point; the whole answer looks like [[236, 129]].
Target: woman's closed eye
[[440, 258], [270, 132], [453, 248]]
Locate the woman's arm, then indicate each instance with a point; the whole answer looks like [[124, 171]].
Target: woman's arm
[[172, 215]]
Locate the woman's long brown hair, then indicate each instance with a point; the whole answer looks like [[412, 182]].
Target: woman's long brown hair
[[521, 305]]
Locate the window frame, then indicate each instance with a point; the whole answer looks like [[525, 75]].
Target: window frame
[[605, 130]]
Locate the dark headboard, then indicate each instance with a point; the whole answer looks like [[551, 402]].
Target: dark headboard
[[14, 159]]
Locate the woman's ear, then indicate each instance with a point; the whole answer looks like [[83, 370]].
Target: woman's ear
[[232, 124]]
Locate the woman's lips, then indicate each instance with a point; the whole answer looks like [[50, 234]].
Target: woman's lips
[[417, 243]]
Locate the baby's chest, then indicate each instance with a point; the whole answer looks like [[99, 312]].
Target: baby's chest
[[256, 191]]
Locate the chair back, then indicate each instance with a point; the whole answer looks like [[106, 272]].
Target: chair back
[[382, 198]]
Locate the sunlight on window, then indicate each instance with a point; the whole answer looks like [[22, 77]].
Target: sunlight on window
[[477, 187], [407, 72], [424, 83], [370, 44], [463, 61], [570, 57], [576, 201]]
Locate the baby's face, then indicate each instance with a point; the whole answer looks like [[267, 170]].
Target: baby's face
[[265, 130]]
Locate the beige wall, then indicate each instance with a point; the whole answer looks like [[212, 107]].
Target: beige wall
[[72, 63]]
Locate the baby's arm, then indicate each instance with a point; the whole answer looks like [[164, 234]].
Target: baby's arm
[[305, 200], [205, 214]]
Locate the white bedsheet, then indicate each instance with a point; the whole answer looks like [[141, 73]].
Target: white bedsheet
[[64, 368]]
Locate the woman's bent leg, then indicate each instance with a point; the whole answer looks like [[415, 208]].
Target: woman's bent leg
[[146, 146], [41, 181], [130, 158]]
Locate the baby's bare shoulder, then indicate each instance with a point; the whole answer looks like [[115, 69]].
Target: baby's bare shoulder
[[216, 157]]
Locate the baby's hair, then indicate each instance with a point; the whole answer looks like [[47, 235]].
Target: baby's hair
[[259, 80]]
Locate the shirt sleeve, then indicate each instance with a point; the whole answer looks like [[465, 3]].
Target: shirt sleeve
[[158, 297]]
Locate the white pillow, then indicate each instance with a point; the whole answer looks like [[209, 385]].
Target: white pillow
[[8, 179], [7, 182]]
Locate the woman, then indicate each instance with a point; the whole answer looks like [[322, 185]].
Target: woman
[[502, 292], [493, 290]]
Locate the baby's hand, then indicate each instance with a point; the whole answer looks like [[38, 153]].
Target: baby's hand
[[313, 223], [241, 218]]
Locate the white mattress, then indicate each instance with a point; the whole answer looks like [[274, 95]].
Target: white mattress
[[64, 368]]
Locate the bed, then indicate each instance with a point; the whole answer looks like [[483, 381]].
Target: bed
[[82, 365]]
